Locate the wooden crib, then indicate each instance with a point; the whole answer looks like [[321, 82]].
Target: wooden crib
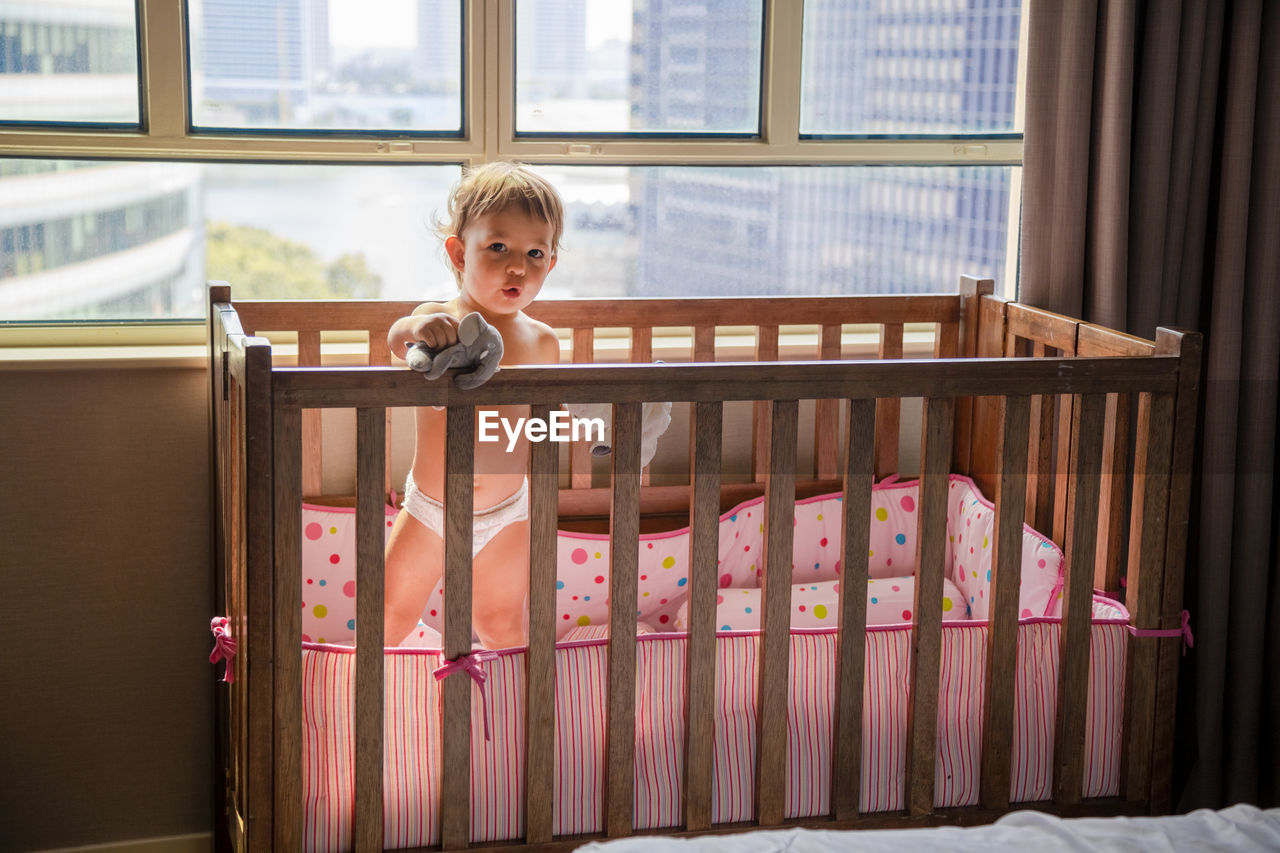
[[1083, 432]]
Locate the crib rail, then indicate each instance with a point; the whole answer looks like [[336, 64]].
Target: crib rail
[[1024, 374], [579, 319]]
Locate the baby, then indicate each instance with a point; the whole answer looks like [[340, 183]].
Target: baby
[[501, 236]]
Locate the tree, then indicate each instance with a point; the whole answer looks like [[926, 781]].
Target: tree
[[261, 265]]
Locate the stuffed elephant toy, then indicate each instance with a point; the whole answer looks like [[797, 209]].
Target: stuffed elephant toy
[[654, 420], [479, 347]]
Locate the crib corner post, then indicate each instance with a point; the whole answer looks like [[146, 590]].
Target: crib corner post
[[1146, 583], [254, 486], [971, 292], [215, 343], [1187, 346], [989, 319]]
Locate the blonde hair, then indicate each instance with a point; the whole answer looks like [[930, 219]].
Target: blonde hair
[[498, 186]]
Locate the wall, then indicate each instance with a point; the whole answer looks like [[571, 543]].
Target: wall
[[107, 589]]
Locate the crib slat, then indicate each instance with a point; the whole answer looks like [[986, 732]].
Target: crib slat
[[889, 411], [1040, 477], [1062, 337], [991, 342], [704, 343], [544, 461], [775, 640], [642, 344], [700, 666], [704, 349], [1061, 479], [946, 341], [371, 433], [287, 474], [455, 761], [312, 443], [1081, 546], [254, 622], [642, 353], [624, 554], [584, 345], [584, 352], [1111, 515], [380, 356], [926, 646], [859, 476], [1144, 577], [1096, 341], [1006, 583], [971, 292], [1011, 344], [826, 413], [766, 350]]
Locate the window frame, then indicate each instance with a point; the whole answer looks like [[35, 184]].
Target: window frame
[[488, 120]]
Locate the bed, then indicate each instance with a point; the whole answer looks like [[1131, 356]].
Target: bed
[[1077, 433], [1240, 827]]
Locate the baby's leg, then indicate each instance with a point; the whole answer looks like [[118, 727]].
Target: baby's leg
[[414, 559], [500, 579]]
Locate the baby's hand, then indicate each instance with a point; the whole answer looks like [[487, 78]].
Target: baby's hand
[[437, 331]]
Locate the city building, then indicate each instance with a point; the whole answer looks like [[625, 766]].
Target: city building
[[254, 62], [820, 229], [82, 239]]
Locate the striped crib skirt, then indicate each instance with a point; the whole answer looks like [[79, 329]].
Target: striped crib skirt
[[413, 785]]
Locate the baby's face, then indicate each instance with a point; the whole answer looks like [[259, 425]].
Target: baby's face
[[503, 258]]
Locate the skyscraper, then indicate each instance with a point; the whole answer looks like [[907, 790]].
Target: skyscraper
[[437, 57], [558, 72], [256, 63]]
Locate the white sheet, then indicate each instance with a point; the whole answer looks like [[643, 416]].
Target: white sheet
[[1240, 827]]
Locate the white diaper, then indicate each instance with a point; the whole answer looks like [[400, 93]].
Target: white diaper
[[488, 523]]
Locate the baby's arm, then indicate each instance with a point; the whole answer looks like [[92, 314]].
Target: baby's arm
[[430, 323]]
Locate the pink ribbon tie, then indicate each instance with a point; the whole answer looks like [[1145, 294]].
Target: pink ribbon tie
[[1183, 631], [224, 647], [470, 665], [1053, 594]]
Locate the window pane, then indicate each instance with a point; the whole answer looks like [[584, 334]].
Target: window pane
[[94, 240], [615, 66], [69, 61], [903, 68], [327, 64], [802, 230]]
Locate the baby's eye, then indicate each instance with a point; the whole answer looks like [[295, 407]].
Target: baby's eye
[[498, 247], [536, 253]]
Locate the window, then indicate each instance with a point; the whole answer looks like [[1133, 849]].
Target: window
[[67, 61], [604, 67], [303, 147], [909, 67], [326, 65]]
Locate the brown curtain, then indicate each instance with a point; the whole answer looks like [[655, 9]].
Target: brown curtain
[[1151, 196]]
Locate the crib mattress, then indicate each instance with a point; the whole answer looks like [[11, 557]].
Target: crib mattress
[[412, 782]]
